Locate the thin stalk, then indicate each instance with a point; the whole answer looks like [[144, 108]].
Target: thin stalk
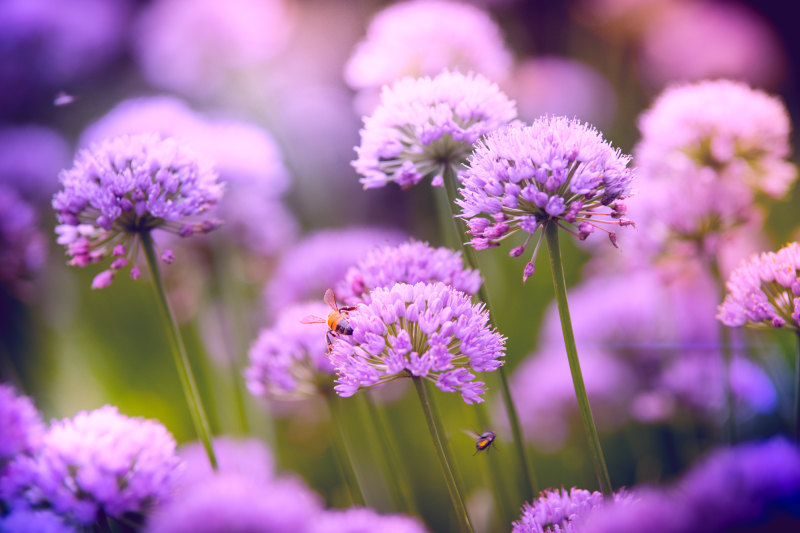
[[179, 352], [729, 428], [436, 430], [346, 469], [560, 286], [528, 474], [797, 391]]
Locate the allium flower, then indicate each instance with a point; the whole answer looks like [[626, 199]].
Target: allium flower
[[320, 261], [289, 359], [422, 37], [360, 519], [423, 125], [410, 262], [707, 149], [751, 487], [100, 461], [23, 248], [126, 186], [559, 511], [238, 504], [556, 170], [764, 291], [21, 426], [30, 158], [240, 456], [28, 521], [429, 331]]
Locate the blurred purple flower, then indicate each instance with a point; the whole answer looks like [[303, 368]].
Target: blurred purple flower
[[409, 262], [430, 331], [288, 360], [750, 487], [29, 521], [360, 520], [200, 47], [23, 247], [425, 124], [126, 186], [247, 457], [21, 427], [96, 462], [30, 158], [764, 291], [561, 511], [557, 171], [320, 261]]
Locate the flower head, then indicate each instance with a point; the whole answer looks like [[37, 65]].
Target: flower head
[[424, 124], [126, 186], [21, 426], [429, 331], [410, 262], [556, 170], [239, 456], [289, 359], [23, 247], [560, 511], [358, 519], [764, 291], [28, 521], [100, 461]]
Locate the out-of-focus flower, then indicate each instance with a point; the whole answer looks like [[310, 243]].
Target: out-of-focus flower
[[29, 521], [422, 37], [429, 331], [245, 156], [751, 487], [707, 149], [30, 158], [22, 246], [21, 426], [621, 20], [96, 462], [562, 511], [240, 456], [703, 40], [319, 262], [410, 262], [551, 85], [201, 47], [289, 359], [361, 519], [424, 125], [126, 186], [238, 504], [556, 171], [764, 291]]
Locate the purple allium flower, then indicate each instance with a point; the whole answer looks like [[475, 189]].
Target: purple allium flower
[[200, 47], [559, 511], [320, 261], [239, 456], [245, 156], [29, 521], [764, 291], [706, 150], [128, 185], [423, 125], [23, 247], [30, 158], [238, 504], [21, 426], [750, 487], [100, 461], [289, 359], [361, 519], [430, 331], [410, 262], [422, 37], [556, 170]]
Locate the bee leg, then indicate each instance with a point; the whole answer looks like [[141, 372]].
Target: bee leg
[[329, 337]]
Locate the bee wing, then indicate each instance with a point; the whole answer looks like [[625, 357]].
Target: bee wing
[[471, 434], [313, 319], [330, 299]]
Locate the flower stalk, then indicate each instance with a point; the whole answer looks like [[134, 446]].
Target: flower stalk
[[343, 460]]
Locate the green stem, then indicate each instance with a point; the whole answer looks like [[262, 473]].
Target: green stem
[[560, 286], [528, 474], [179, 352], [435, 428], [729, 428], [342, 456]]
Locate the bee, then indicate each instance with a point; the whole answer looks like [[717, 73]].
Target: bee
[[482, 441], [337, 321]]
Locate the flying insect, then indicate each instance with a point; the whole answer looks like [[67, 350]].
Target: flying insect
[[337, 321], [482, 441]]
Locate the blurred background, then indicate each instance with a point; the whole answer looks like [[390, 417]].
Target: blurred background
[[274, 91]]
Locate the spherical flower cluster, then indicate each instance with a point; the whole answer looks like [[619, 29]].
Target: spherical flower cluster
[[422, 37], [21, 426], [429, 331], [359, 519], [423, 125], [127, 186], [238, 456], [410, 262], [29, 521], [707, 150], [765, 291], [23, 247], [556, 170], [289, 359], [559, 511], [96, 462]]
